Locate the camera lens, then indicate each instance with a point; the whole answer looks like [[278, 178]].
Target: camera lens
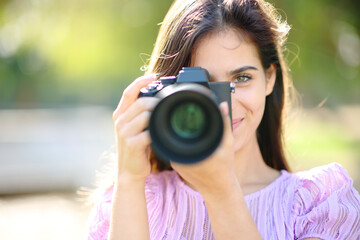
[[186, 126], [188, 120]]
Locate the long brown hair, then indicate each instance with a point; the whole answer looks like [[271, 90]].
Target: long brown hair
[[189, 20]]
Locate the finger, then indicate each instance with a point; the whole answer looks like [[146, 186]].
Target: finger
[[224, 108], [141, 141], [139, 106], [131, 93], [137, 125]]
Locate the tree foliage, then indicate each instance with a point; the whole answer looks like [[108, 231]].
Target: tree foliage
[[55, 53]]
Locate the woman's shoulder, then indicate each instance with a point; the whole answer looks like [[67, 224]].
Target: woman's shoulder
[[333, 170], [304, 191], [326, 204], [320, 182]]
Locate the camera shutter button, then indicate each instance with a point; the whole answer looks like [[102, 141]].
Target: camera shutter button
[[151, 87]]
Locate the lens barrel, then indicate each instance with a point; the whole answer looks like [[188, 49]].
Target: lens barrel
[[186, 126]]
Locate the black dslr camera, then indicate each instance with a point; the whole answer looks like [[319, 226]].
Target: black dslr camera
[[186, 126]]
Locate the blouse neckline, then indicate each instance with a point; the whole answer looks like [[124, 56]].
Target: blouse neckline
[[249, 196]]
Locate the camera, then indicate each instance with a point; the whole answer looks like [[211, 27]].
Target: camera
[[186, 126]]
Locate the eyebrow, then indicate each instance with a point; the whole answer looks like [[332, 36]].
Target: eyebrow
[[241, 69]]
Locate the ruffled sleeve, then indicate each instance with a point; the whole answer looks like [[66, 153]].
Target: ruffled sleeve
[[100, 214], [326, 205], [99, 217]]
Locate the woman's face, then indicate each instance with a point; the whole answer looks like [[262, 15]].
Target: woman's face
[[231, 57]]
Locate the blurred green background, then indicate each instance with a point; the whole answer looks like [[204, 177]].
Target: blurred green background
[[66, 54], [64, 65]]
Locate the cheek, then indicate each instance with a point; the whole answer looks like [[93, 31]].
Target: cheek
[[251, 100], [250, 104]]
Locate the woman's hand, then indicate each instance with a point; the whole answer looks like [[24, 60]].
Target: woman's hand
[[216, 181], [217, 171], [131, 117]]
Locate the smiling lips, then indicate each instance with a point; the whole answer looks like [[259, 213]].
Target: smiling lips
[[236, 122]]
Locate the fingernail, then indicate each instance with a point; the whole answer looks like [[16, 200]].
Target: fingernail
[[151, 77]]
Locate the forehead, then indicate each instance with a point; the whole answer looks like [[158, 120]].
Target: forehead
[[225, 46]]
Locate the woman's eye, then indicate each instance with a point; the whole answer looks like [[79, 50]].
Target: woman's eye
[[243, 78]]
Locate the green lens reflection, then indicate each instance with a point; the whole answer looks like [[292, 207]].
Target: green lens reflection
[[188, 120]]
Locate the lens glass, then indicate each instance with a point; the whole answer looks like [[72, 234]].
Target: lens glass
[[188, 120]]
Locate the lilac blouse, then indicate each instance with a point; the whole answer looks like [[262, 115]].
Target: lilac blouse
[[320, 203]]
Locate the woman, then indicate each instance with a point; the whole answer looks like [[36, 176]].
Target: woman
[[243, 190]]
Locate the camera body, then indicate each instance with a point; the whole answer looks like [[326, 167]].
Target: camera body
[[186, 126]]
